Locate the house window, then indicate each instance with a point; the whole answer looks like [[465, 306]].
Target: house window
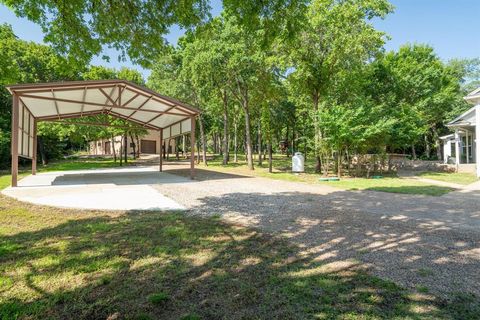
[[464, 147], [452, 149]]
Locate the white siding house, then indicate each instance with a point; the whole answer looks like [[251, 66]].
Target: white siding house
[[460, 147]]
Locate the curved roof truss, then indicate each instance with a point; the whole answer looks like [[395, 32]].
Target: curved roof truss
[[118, 98]]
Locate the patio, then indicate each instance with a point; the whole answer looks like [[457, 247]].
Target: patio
[[100, 189]]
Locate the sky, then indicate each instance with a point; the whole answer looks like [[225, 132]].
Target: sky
[[450, 26]]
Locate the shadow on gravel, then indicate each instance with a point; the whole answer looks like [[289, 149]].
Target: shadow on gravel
[[415, 249], [205, 175]]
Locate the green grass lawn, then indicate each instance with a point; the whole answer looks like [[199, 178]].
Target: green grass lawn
[[393, 185], [453, 177], [282, 167], [68, 264]]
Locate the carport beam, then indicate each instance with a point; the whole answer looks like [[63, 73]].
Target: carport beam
[[34, 148], [192, 148], [161, 150], [14, 146]]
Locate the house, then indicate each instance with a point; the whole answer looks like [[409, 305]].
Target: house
[[149, 144], [460, 147]]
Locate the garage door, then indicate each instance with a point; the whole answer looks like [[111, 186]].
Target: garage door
[[108, 149], [148, 146]]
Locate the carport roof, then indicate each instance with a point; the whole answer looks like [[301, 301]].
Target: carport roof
[[119, 98]]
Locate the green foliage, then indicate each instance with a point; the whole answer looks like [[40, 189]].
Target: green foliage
[[80, 28], [23, 61], [136, 28], [310, 75], [29, 62], [418, 90], [331, 48]]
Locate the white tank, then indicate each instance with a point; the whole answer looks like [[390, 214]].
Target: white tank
[[298, 162]]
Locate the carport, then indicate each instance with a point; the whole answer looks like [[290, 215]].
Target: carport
[[60, 101]]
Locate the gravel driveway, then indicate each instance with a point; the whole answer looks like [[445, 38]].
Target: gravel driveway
[[412, 240]]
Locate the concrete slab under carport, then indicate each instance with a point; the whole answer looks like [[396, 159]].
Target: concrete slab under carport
[[129, 188]]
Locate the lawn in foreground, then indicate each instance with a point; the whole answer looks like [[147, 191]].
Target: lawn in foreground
[[65, 264], [282, 171], [453, 177]]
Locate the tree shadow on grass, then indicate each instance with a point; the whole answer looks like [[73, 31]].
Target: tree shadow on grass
[[111, 267]]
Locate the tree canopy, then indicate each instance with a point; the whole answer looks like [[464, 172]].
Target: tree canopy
[[269, 76], [80, 29]]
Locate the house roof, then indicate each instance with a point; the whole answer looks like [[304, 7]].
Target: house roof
[[468, 117], [447, 137], [465, 119], [473, 97], [119, 98]]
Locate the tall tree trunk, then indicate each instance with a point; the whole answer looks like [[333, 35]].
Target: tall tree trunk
[[438, 142], [198, 152], [286, 142], [163, 149], [214, 140], [270, 156], [259, 144], [226, 153], [183, 147], [248, 139], [349, 165], [414, 153], [138, 145], [318, 135], [235, 141], [427, 147], [176, 149], [339, 163], [134, 145], [293, 137], [167, 149], [203, 140], [125, 150], [41, 150], [245, 146], [120, 154], [113, 149]]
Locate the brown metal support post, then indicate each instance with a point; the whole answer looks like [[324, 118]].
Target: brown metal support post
[[34, 150], [14, 146], [161, 150], [192, 149]]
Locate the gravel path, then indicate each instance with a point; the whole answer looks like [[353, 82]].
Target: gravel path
[[412, 240]]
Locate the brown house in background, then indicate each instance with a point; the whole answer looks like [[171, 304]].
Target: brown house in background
[[149, 144]]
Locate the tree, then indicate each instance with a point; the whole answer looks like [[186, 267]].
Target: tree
[[204, 60], [424, 92], [336, 37], [246, 59], [169, 77], [29, 62], [136, 28], [468, 70]]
